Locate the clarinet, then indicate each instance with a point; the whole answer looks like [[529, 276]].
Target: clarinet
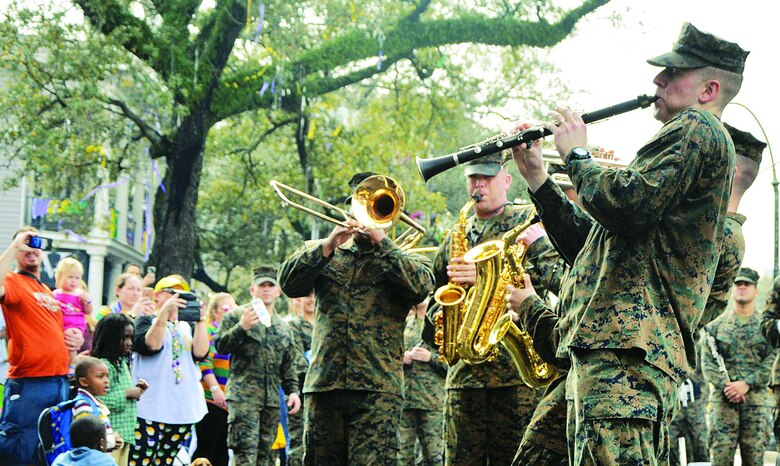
[[428, 168]]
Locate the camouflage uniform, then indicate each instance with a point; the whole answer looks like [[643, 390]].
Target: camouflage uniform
[[748, 357], [691, 421], [423, 417], [355, 382], [261, 360], [487, 404], [301, 330], [544, 441], [769, 323]]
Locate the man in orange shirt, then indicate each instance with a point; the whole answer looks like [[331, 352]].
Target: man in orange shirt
[[37, 349]]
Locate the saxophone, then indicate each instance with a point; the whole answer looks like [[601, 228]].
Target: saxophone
[[452, 295], [486, 323]]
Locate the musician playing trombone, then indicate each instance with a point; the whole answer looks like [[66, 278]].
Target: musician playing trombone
[[639, 285], [364, 286]]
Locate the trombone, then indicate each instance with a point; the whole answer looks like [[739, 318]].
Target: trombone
[[377, 203]]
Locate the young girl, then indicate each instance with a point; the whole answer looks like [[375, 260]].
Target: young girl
[[112, 343], [75, 302]]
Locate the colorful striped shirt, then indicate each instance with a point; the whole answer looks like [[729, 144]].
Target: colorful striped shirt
[[215, 363]]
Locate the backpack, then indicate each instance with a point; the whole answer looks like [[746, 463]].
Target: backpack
[[54, 430]]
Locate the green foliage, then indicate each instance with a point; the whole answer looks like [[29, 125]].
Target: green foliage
[[329, 87]]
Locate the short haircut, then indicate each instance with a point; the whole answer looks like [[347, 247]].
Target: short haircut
[[64, 268], [87, 431], [745, 175], [730, 83], [84, 364]]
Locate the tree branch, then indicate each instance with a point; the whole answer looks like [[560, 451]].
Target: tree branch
[[111, 17], [158, 141], [399, 43]]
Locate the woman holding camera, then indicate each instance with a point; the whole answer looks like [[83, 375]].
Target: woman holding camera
[[165, 348]]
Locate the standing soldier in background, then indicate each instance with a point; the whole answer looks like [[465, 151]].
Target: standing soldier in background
[[740, 404], [487, 404], [770, 325], [263, 356], [364, 286], [422, 417], [301, 324], [690, 421]]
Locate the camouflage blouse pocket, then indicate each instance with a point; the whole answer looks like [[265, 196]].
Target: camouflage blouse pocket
[[336, 272]]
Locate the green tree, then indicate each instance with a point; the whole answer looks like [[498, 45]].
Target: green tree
[[165, 72]]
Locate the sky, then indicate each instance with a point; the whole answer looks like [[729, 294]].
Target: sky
[[607, 63]]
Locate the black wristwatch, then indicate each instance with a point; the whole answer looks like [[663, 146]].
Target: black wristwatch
[[577, 153]]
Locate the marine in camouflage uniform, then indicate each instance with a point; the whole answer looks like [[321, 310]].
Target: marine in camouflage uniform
[[261, 359], [770, 326], [355, 382], [638, 287], [302, 330], [740, 404], [487, 405], [423, 416], [691, 421]]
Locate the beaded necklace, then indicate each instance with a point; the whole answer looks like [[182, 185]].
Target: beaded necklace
[[175, 349]]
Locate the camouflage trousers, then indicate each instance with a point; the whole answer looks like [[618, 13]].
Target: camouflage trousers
[[483, 425], [743, 424], [691, 424], [426, 426], [295, 428], [776, 414], [351, 427], [251, 432], [621, 407], [544, 441]]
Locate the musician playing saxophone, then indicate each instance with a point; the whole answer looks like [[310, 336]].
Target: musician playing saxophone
[[364, 286], [639, 285], [487, 405]]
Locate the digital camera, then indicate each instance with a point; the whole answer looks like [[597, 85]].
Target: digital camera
[[35, 242], [191, 313]]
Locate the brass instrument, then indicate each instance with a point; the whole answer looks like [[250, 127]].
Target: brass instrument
[[431, 167], [452, 295], [486, 323], [377, 203]]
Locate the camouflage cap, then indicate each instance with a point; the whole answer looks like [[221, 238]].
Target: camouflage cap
[[747, 275], [488, 165], [696, 49], [264, 274], [353, 182], [745, 144]]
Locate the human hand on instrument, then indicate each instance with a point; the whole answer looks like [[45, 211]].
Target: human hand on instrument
[[736, 391], [529, 161], [421, 354], [516, 296], [569, 130], [532, 233], [339, 236], [376, 236], [462, 272]]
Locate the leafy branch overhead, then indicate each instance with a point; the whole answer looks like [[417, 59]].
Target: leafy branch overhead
[[309, 91]]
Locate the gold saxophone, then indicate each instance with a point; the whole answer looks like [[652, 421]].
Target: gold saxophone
[[452, 295], [486, 323]]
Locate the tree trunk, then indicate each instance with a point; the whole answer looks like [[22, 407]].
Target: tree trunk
[[174, 210]]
